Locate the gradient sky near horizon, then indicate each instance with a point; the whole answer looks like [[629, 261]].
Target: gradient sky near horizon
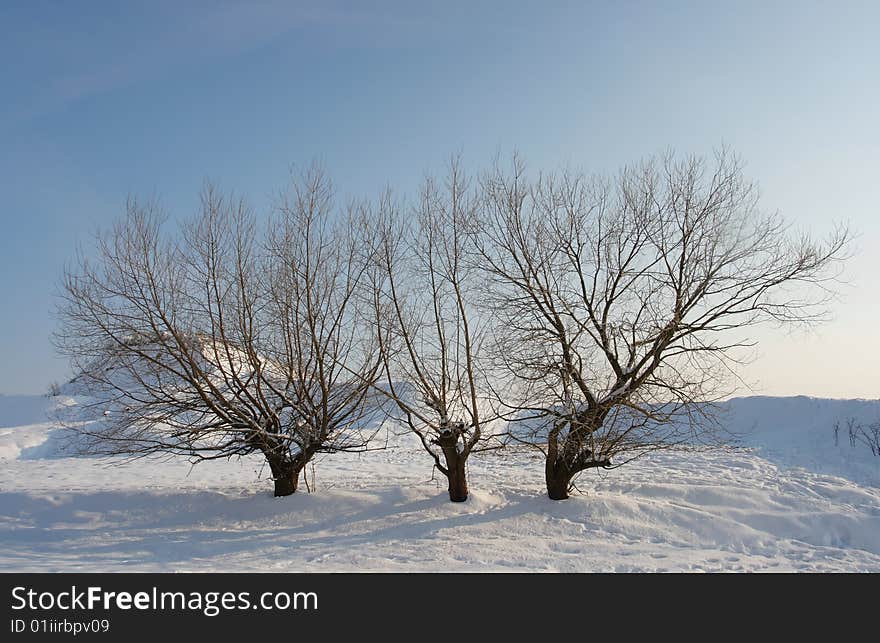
[[105, 99]]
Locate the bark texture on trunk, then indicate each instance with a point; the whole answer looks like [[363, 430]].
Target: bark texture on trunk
[[285, 474], [557, 477], [558, 480], [455, 466], [558, 473], [567, 455]]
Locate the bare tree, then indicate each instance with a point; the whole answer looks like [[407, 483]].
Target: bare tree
[[852, 431], [430, 338], [226, 340], [867, 434], [623, 303], [870, 436]]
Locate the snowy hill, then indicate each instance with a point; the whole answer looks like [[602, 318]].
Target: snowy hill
[[24, 423], [799, 432], [782, 497]]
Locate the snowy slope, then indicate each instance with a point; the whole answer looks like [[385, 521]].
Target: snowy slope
[[24, 423], [798, 431], [782, 498]]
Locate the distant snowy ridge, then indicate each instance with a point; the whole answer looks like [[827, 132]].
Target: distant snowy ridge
[[797, 429]]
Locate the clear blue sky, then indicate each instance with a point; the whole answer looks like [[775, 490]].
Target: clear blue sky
[[104, 99]]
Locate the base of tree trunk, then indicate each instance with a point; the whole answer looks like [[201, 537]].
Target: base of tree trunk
[[286, 477], [558, 490], [558, 483], [286, 485], [455, 467], [458, 489]]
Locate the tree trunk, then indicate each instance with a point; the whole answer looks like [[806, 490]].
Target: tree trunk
[[285, 474], [558, 479], [286, 485], [566, 460], [458, 488], [455, 466]]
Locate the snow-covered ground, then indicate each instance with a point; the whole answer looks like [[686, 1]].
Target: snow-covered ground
[[781, 498]]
